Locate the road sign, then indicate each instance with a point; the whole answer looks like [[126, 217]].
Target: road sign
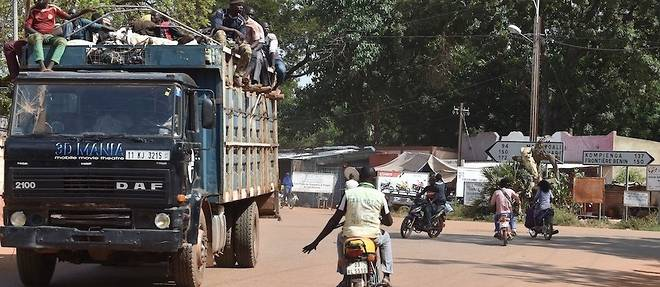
[[505, 150], [636, 198], [653, 178], [617, 158]]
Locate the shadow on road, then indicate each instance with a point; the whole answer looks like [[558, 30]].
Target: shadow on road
[[631, 248], [535, 272]]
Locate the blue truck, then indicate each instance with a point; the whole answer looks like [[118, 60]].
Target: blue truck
[[138, 154]]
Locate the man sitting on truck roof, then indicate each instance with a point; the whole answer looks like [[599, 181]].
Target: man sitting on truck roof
[[229, 23], [40, 25], [87, 33]]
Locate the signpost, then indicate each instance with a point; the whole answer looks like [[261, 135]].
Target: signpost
[[636, 199], [621, 158], [617, 158], [505, 150], [653, 178]]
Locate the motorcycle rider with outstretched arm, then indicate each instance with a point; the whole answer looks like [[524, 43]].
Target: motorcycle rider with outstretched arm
[[364, 209]]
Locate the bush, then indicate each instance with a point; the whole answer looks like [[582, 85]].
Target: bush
[[648, 222], [565, 217]]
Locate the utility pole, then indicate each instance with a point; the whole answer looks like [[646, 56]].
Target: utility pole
[[462, 112], [536, 72], [15, 11]]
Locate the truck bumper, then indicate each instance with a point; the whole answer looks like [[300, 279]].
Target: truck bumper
[[62, 238]]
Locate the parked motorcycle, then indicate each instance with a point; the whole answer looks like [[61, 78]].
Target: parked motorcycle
[[542, 225], [505, 230], [361, 262], [414, 221]]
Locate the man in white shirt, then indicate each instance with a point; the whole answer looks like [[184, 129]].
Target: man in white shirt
[[364, 209], [274, 56]]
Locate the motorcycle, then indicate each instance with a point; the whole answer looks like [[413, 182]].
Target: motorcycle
[[545, 227], [361, 263], [414, 221], [289, 201], [505, 230]]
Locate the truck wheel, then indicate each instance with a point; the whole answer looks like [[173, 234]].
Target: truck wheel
[[245, 239], [190, 261], [227, 258], [35, 269]]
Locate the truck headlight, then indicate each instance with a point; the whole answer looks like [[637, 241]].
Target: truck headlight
[[162, 221], [18, 219]]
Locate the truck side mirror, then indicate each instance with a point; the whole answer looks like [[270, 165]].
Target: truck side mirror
[[208, 113]]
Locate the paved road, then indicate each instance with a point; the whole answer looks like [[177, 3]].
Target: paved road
[[464, 255]]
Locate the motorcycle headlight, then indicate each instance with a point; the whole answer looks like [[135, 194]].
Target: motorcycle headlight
[[18, 219], [162, 221]]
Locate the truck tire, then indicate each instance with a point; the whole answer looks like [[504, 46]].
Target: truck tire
[[35, 269], [245, 239], [227, 258], [189, 263]]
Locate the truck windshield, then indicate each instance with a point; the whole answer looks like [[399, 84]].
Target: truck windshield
[[97, 109]]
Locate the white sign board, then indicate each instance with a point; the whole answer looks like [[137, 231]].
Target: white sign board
[[617, 158], [401, 180], [506, 150], [469, 184], [653, 178], [313, 182], [636, 198]]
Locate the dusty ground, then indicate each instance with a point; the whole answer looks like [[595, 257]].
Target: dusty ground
[[464, 255]]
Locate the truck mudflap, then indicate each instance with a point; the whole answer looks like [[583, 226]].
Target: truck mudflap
[[62, 238]]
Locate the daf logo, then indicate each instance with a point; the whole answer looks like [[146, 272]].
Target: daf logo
[[139, 185]]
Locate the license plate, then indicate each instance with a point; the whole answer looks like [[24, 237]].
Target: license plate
[[356, 268], [157, 155]]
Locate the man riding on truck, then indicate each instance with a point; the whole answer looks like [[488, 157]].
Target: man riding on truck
[[365, 208]]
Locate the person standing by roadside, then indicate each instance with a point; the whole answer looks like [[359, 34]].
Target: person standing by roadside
[[287, 182]]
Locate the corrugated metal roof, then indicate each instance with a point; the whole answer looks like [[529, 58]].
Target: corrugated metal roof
[[321, 152]]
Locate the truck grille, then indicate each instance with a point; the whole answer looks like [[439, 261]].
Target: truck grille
[[104, 183], [86, 220]]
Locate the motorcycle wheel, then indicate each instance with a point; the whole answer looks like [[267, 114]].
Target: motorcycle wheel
[[505, 237], [406, 227], [532, 233], [436, 229], [547, 231], [291, 202]]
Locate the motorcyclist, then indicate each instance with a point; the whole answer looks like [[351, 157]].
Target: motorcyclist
[[503, 199], [435, 196], [365, 208], [542, 203]]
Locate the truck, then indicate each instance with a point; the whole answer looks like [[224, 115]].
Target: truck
[[138, 154]]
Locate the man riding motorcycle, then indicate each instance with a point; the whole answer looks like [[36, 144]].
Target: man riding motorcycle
[[503, 199], [365, 208], [434, 201]]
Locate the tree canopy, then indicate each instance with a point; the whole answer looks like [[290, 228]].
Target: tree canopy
[[390, 71]]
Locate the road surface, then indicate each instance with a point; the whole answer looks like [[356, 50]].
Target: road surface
[[464, 255]]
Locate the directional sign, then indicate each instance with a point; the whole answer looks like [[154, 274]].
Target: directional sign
[[617, 158], [506, 150]]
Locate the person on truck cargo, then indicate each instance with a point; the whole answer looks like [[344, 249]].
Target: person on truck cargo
[[40, 25], [168, 30], [274, 56], [86, 33], [12, 50], [229, 24], [256, 37]]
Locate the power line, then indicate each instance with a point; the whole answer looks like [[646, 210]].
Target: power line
[[602, 49]]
